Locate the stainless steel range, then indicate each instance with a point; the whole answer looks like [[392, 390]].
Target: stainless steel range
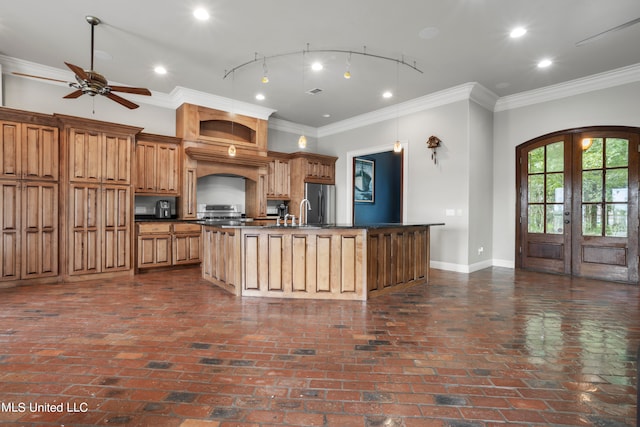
[[222, 215]]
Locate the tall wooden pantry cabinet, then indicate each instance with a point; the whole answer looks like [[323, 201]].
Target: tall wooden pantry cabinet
[[97, 195], [28, 196]]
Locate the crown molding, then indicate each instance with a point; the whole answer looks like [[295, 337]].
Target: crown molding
[[608, 79], [443, 97], [292, 127], [178, 96]]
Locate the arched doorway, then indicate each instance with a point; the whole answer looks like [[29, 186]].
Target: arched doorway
[[577, 209]]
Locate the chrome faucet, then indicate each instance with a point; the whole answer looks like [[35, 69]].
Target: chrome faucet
[[293, 219], [306, 216]]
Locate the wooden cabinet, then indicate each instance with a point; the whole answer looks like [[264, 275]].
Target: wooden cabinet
[[97, 196], [278, 176], [157, 160], [28, 196], [309, 167], [154, 244], [186, 243], [164, 244]]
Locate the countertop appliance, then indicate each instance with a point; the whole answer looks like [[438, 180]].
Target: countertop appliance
[[222, 215], [322, 198], [163, 209]]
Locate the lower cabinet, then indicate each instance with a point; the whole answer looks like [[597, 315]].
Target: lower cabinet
[[165, 244]]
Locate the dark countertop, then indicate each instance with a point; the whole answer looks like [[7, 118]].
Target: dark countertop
[[337, 226]]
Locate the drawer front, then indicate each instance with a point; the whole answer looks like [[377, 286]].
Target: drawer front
[[186, 228], [154, 227]]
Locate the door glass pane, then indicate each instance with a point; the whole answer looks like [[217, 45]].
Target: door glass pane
[[592, 186], [616, 184], [617, 152], [536, 160], [555, 219], [592, 156], [555, 157], [616, 220], [555, 188], [536, 219], [592, 220], [536, 188]]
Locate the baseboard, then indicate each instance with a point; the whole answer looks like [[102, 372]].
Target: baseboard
[[462, 268]]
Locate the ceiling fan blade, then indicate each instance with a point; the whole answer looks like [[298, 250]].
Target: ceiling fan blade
[[78, 71], [610, 30], [74, 94], [134, 90], [122, 101], [39, 77]]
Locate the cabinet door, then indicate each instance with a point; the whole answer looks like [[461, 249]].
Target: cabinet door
[[85, 155], [10, 137], [188, 205], [154, 250], [84, 236], [39, 152], [167, 169], [117, 159], [116, 228], [145, 179], [39, 229], [9, 233], [186, 249], [282, 179]]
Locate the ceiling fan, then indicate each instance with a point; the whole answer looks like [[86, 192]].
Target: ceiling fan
[[92, 83], [609, 31]]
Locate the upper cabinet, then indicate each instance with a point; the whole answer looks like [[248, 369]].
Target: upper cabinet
[[157, 162], [278, 176], [310, 167], [220, 129], [28, 146], [97, 151]]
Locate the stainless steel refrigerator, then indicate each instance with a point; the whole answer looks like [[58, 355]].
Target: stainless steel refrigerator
[[322, 198]]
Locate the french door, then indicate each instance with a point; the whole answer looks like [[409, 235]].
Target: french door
[[578, 204]]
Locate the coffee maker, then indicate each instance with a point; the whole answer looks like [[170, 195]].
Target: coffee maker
[[163, 209], [283, 209]]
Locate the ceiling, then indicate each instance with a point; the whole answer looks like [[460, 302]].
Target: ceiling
[[451, 42]]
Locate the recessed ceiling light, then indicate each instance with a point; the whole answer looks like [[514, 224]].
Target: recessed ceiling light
[[545, 63], [326, 116], [387, 94], [260, 97], [316, 66], [201, 14], [518, 32], [159, 69]]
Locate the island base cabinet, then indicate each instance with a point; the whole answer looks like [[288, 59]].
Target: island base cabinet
[[315, 264], [220, 258], [397, 257]]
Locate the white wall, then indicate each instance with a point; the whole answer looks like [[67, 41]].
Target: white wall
[[287, 142], [480, 187], [432, 189], [619, 105]]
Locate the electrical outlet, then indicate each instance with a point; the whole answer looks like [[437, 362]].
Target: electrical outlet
[[480, 250]]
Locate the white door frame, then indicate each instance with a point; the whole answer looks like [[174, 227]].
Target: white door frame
[[375, 150]]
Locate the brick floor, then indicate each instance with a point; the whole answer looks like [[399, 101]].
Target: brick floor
[[494, 348]]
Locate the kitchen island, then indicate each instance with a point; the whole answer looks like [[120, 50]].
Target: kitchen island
[[316, 262]]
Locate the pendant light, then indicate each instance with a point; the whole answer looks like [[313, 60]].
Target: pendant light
[[302, 141], [397, 146]]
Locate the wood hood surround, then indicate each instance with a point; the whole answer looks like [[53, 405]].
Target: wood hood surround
[[207, 135]]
